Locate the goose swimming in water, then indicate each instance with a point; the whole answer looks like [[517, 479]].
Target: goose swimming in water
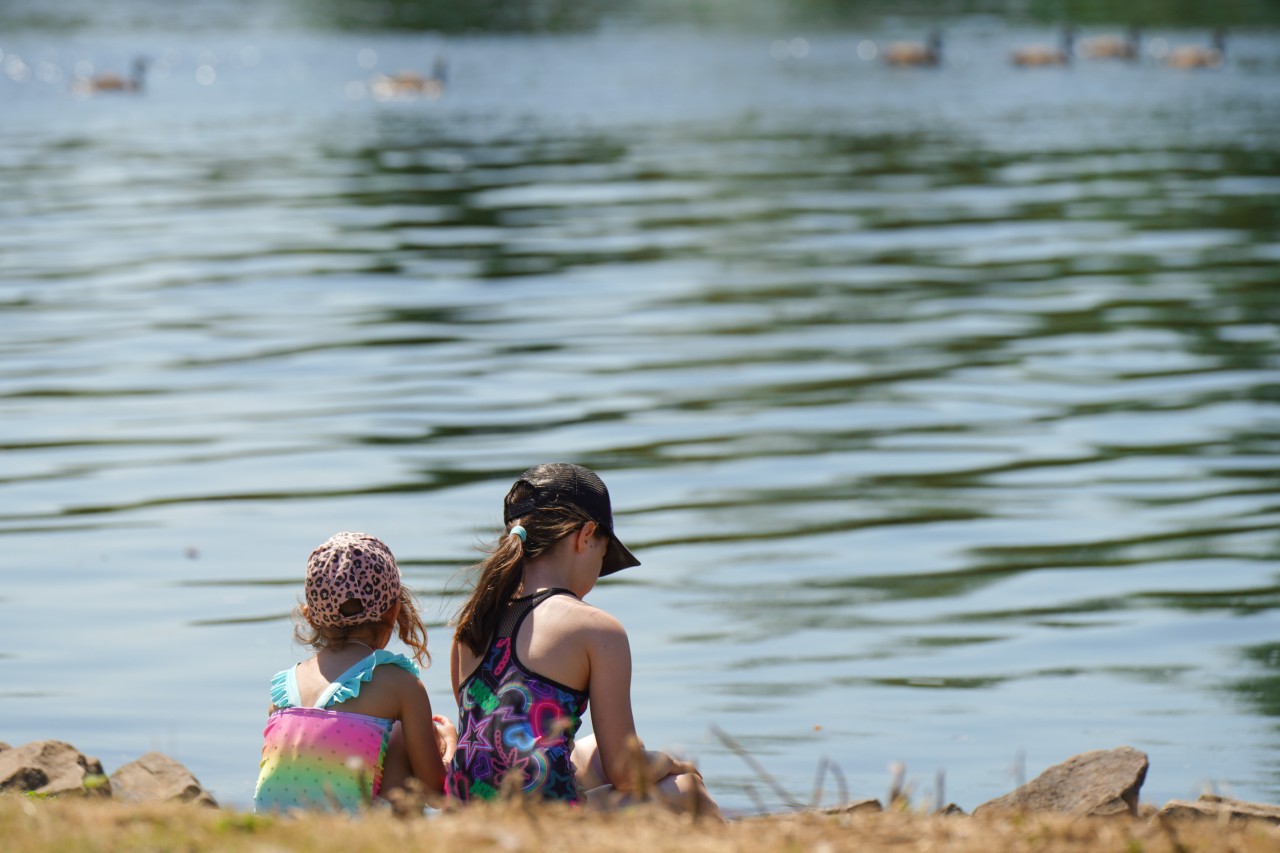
[[1113, 46], [914, 53], [1199, 56], [411, 84], [114, 82], [1041, 55]]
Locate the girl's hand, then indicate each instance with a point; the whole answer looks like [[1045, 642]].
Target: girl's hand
[[662, 765], [681, 767], [446, 736]]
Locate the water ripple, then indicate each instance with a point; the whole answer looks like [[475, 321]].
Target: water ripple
[[946, 398]]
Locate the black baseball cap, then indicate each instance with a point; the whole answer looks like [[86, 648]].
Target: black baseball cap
[[566, 484]]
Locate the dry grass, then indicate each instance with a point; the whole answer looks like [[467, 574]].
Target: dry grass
[[82, 825]]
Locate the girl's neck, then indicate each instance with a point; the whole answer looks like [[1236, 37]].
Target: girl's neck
[[550, 574], [368, 641], [543, 574]]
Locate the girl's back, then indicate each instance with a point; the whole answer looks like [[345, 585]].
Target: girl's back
[[325, 745], [515, 715], [553, 641], [381, 696]]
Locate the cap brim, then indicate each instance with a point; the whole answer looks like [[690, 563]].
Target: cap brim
[[617, 558]]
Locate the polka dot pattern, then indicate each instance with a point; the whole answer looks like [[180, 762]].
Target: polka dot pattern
[[318, 759]]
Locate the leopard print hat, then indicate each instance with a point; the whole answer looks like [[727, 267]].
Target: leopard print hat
[[351, 567]]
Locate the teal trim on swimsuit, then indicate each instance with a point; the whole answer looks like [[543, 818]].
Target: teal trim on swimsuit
[[284, 686]]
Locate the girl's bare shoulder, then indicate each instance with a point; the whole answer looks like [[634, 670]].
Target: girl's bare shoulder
[[576, 615]]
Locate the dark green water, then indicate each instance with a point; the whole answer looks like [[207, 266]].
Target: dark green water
[[940, 405]]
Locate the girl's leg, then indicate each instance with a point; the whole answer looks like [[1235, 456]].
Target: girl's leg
[[684, 793], [680, 792], [687, 793], [587, 769]]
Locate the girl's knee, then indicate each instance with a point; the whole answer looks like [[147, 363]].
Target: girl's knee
[[690, 785], [588, 770], [688, 793]]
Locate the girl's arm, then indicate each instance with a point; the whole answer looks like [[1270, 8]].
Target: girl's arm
[[623, 758], [421, 739], [455, 669]]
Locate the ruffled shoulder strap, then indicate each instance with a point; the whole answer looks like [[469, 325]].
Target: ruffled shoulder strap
[[347, 685], [284, 688]]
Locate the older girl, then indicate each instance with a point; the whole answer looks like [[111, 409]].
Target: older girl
[[529, 653]]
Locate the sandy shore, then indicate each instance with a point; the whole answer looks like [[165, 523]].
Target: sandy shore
[[76, 824]]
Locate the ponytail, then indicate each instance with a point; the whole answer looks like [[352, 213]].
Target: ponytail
[[501, 572]]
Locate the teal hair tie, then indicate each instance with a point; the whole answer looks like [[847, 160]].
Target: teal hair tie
[[518, 531]]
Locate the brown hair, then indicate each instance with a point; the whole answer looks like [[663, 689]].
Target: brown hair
[[409, 627], [500, 572]]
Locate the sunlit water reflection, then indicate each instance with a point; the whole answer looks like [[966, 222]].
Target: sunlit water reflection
[[940, 405]]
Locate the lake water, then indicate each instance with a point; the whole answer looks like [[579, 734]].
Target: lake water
[[940, 405]]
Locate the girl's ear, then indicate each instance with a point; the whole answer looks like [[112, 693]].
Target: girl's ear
[[392, 615], [582, 539]]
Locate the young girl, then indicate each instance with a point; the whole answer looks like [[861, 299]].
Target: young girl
[[528, 653], [353, 721]]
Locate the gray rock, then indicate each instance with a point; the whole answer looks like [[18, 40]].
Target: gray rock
[[1219, 808], [866, 806], [24, 779], [1099, 783], [51, 767], [155, 777]]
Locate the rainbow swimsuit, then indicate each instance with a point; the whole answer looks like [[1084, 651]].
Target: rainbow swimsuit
[[316, 758], [513, 721]]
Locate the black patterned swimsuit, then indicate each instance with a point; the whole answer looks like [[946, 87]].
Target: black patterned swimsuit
[[513, 720]]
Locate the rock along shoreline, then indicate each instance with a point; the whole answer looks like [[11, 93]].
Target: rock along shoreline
[[54, 768], [1096, 784]]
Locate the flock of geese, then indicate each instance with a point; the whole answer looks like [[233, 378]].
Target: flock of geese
[[928, 53], [1126, 47], [404, 84]]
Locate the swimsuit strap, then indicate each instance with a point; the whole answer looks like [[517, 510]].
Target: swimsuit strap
[[519, 608], [284, 684], [284, 689], [348, 684], [327, 695]]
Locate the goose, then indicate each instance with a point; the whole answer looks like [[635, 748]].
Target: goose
[[1113, 46], [914, 53], [412, 84], [1041, 55], [1199, 56], [114, 82]]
